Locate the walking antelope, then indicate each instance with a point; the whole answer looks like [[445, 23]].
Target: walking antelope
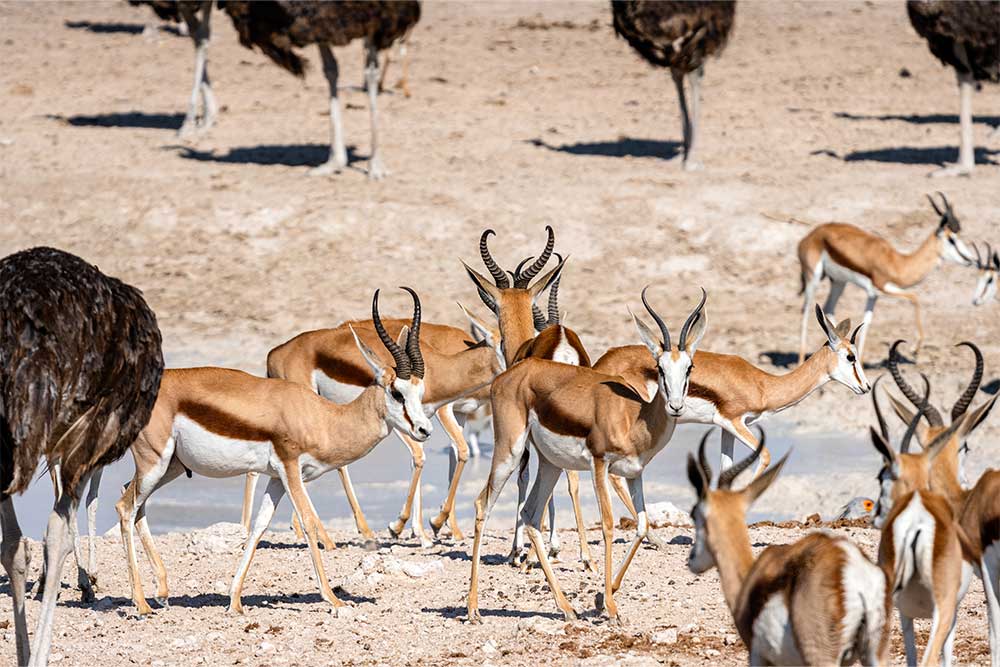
[[939, 470], [989, 273], [580, 419], [223, 423], [730, 392], [844, 254], [328, 361], [922, 547], [819, 601]]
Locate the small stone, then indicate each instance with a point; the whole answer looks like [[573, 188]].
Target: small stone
[[689, 628], [489, 648], [266, 647], [346, 612], [668, 636], [712, 653], [730, 639], [56, 657]]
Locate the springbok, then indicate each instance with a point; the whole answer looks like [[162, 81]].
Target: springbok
[[922, 547], [989, 273], [223, 423], [328, 361], [819, 601], [730, 392], [843, 254], [579, 419], [938, 469]]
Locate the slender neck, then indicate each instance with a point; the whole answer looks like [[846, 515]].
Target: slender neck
[[515, 329], [734, 559], [353, 429], [786, 390], [451, 376], [918, 264]]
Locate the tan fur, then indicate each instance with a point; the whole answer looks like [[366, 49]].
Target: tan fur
[[293, 418]]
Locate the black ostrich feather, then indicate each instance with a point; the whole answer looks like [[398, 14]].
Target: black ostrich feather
[[964, 35], [679, 35]]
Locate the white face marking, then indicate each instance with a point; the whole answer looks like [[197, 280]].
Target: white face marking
[[953, 249], [405, 409], [213, 455], [849, 370], [674, 377], [986, 287]]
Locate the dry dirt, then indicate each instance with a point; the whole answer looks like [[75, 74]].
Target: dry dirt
[[522, 115]]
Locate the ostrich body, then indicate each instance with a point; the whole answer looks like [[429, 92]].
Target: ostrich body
[[196, 14], [681, 36], [965, 36], [80, 366], [276, 28]]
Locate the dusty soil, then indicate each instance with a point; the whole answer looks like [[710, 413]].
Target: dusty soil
[[403, 620], [522, 115]]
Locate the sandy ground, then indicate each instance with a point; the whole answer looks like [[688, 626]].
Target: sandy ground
[[522, 115]]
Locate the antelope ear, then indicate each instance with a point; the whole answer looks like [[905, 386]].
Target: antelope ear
[[482, 283], [542, 283], [977, 417], [759, 485], [844, 328], [883, 447], [697, 477], [403, 337], [697, 331], [907, 415], [479, 329], [649, 339], [945, 437], [372, 359], [827, 326]]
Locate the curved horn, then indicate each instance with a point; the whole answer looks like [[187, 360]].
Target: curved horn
[[499, 277], [692, 318], [963, 402], [413, 340], [911, 428], [703, 458], [727, 477], [488, 300], [944, 200], [932, 414], [934, 204], [882, 426], [554, 297], [402, 361], [656, 318], [539, 264], [979, 257], [541, 324], [519, 282]]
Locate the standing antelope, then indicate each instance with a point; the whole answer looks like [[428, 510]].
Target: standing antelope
[[819, 601], [939, 470], [730, 392], [989, 273], [328, 361], [580, 419], [844, 254], [223, 423]]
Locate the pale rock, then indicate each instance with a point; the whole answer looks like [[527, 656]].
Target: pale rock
[[712, 653], [621, 660], [662, 514], [56, 657], [668, 636], [730, 639], [266, 647], [489, 648], [417, 570], [689, 628], [346, 612]]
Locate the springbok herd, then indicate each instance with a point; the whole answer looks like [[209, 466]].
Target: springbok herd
[[80, 364]]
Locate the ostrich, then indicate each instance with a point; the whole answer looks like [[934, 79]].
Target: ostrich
[[80, 367], [678, 35], [277, 27], [966, 36], [196, 14]]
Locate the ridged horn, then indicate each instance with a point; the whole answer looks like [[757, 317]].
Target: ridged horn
[[539, 318], [932, 414], [911, 428], [539, 264], [402, 361], [726, 478], [692, 318], [499, 277], [656, 318], [413, 340], [554, 297], [963, 402], [702, 457], [882, 426]]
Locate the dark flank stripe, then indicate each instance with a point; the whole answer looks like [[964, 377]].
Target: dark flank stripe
[[221, 423]]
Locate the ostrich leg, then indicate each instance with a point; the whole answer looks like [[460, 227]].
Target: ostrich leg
[[691, 160], [201, 90], [376, 170], [14, 555], [966, 149], [678, 77], [338, 153]]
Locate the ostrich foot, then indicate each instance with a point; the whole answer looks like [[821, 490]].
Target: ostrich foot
[[377, 170], [952, 169]]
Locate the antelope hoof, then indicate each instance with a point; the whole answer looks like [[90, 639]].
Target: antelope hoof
[[474, 617], [369, 545], [142, 608], [656, 541], [569, 614], [163, 601], [589, 566], [518, 556], [396, 529], [554, 554], [235, 607], [87, 594], [457, 534], [616, 621]]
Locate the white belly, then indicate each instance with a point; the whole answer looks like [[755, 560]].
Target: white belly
[[697, 411], [331, 390], [841, 274], [773, 640], [312, 468], [566, 451], [214, 455]]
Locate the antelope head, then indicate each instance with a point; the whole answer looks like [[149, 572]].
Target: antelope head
[[843, 363], [514, 302], [403, 383], [989, 272], [903, 472], [720, 514], [951, 247], [673, 364]]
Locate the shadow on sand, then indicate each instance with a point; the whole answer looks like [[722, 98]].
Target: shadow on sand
[[115, 28], [289, 155], [131, 119], [623, 147], [918, 119], [930, 156]]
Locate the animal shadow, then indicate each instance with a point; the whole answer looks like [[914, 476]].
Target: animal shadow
[[936, 156], [779, 359], [458, 612], [992, 387], [623, 147], [133, 119], [918, 119], [106, 27], [288, 155]]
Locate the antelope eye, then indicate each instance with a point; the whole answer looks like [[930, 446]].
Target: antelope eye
[[398, 397], [851, 358]]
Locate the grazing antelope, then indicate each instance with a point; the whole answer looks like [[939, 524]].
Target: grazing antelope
[[989, 273], [922, 548], [938, 469], [328, 361], [730, 392], [819, 601], [845, 254], [223, 423], [580, 419]]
